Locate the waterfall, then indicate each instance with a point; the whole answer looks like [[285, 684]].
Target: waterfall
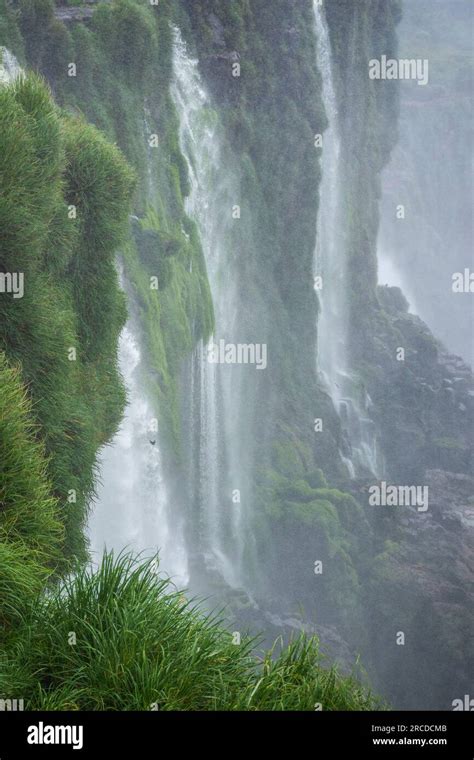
[[147, 134], [329, 262], [9, 66], [132, 509], [430, 175], [331, 266], [216, 389]]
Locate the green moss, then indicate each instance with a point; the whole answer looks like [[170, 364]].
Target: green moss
[[123, 61], [10, 36], [316, 479]]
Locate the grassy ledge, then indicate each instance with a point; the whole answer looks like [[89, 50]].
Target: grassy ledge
[[124, 639]]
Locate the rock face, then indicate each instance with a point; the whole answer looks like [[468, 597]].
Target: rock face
[[434, 121], [399, 570], [423, 588], [438, 547], [217, 30], [67, 14], [423, 405], [73, 14], [288, 625]]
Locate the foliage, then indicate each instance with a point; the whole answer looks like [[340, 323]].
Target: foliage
[[31, 534], [71, 297], [140, 645]]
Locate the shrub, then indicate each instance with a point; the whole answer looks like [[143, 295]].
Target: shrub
[[30, 531], [49, 161], [139, 642]]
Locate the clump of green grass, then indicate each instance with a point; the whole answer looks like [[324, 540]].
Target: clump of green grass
[[30, 531], [122, 638], [50, 162]]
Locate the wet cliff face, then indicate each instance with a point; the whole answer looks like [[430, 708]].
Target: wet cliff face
[[421, 584], [422, 411], [270, 112], [422, 404], [420, 408], [429, 172]]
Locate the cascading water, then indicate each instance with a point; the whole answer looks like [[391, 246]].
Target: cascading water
[[132, 509], [9, 66], [329, 255], [216, 389], [330, 266], [435, 237], [149, 136]]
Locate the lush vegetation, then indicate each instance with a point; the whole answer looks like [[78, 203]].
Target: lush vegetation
[[123, 86], [63, 210], [123, 639], [31, 534], [123, 60], [272, 113], [64, 213]]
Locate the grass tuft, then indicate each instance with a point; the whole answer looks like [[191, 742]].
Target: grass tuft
[[123, 638]]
